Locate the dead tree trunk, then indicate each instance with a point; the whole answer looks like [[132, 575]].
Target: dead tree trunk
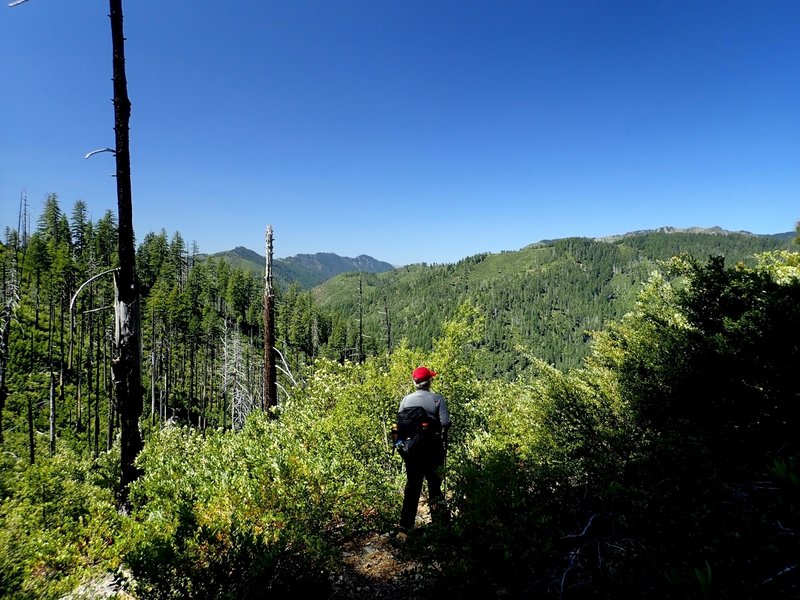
[[126, 364], [270, 396], [360, 318]]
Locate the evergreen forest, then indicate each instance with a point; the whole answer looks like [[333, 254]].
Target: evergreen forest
[[625, 416]]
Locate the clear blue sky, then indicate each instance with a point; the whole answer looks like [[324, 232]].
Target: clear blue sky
[[410, 130]]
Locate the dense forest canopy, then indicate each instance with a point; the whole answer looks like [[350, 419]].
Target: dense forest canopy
[[546, 297], [625, 415]]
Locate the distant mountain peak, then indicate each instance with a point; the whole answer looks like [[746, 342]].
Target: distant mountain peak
[[306, 269], [247, 254]]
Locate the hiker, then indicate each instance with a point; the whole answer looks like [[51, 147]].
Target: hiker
[[425, 460]]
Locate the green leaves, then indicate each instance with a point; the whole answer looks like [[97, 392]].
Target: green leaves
[[56, 528]]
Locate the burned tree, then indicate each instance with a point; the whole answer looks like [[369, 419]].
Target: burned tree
[[270, 396], [126, 362]]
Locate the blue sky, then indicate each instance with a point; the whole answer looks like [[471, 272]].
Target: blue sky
[[410, 130]]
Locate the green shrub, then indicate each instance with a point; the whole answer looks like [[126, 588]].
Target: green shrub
[[57, 527]]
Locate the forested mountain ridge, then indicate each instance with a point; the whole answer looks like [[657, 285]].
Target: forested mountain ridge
[[544, 297], [716, 230], [307, 270]]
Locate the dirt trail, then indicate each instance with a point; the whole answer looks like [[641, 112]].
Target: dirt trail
[[376, 566]]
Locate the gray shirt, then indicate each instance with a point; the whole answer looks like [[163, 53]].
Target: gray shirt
[[434, 404]]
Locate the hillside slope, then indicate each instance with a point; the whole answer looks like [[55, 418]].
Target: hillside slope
[[545, 297]]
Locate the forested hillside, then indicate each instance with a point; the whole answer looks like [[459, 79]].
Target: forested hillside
[[541, 301], [305, 270], [665, 464]]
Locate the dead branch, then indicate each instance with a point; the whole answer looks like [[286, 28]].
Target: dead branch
[[788, 569], [585, 529]]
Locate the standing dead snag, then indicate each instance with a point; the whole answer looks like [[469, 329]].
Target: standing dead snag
[[126, 363], [6, 313], [360, 318], [270, 397]]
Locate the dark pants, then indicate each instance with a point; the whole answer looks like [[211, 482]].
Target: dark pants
[[427, 467]]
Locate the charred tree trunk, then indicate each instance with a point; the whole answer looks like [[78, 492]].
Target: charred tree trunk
[[360, 319], [270, 395], [126, 364]]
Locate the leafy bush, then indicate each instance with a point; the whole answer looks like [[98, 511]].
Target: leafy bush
[[57, 527]]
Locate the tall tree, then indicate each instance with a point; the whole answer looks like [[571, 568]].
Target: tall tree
[[270, 382], [106, 240], [81, 230], [150, 259], [126, 364], [50, 221], [177, 258]]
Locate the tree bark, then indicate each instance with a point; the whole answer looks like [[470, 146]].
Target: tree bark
[[270, 393], [126, 364]]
